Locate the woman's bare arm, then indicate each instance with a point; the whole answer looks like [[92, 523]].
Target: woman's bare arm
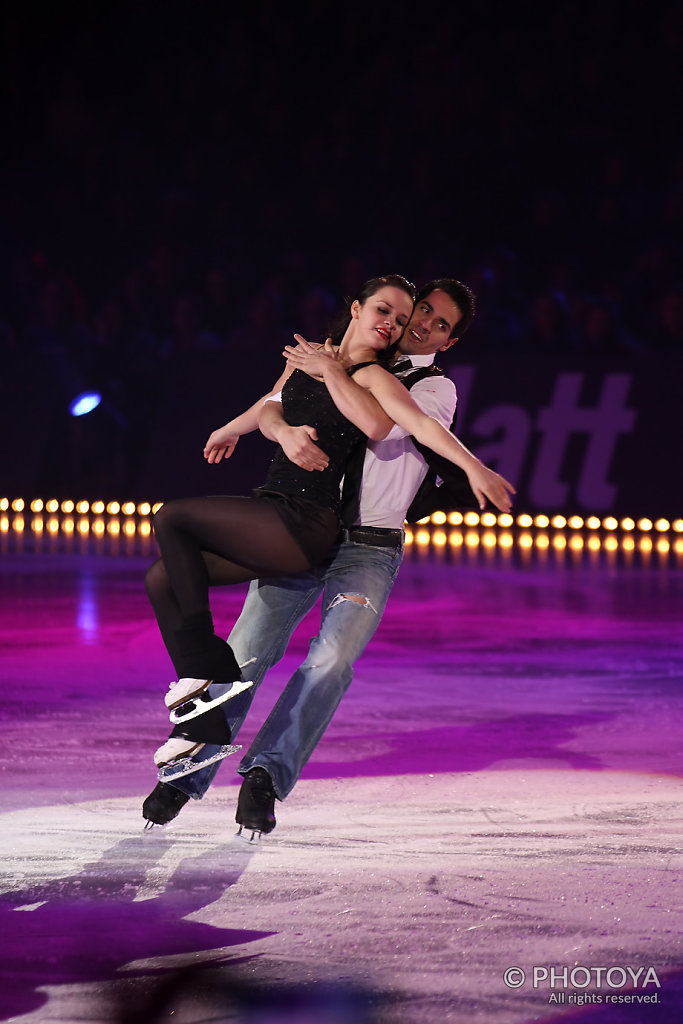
[[397, 403], [352, 400]]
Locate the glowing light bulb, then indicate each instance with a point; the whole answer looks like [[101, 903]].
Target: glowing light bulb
[[85, 403]]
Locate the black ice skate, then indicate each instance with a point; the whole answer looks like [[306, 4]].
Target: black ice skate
[[256, 803], [162, 805], [188, 698]]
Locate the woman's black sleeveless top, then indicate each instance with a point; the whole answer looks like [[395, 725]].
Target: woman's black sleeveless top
[[307, 400]]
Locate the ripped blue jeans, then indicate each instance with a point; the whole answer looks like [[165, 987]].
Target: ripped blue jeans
[[355, 584]]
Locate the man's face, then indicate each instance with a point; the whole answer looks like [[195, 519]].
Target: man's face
[[433, 319]]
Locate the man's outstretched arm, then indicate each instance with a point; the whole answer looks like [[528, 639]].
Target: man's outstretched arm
[[222, 442]]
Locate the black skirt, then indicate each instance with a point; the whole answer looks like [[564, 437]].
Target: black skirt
[[313, 527]]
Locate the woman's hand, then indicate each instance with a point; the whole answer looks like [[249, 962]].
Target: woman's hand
[[221, 443], [487, 484], [315, 360]]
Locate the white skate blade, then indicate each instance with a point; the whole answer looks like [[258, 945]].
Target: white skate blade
[[175, 747], [185, 689], [186, 765], [193, 707]]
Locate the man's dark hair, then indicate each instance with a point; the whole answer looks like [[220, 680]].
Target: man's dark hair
[[461, 295]]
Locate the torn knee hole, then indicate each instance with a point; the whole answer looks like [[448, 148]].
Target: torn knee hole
[[360, 599]]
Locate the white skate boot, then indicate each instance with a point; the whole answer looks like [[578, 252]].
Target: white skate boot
[[188, 698], [180, 756]]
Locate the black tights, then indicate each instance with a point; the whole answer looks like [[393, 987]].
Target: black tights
[[212, 541]]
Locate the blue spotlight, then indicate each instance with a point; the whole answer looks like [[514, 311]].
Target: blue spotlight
[[85, 403]]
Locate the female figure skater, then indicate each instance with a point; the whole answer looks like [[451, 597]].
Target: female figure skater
[[288, 526]]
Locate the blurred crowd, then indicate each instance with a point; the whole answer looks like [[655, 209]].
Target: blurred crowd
[[194, 179]]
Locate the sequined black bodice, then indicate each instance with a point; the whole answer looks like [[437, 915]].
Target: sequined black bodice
[[307, 400]]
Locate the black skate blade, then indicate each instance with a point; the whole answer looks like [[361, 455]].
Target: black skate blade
[[256, 834]]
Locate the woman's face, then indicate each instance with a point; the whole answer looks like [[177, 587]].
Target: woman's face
[[382, 317]]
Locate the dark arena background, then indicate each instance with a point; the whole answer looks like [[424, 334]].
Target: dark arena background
[[491, 829]]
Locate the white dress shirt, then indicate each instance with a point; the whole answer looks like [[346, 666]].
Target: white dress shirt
[[394, 469]]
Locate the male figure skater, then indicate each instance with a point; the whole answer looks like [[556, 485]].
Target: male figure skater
[[355, 581]]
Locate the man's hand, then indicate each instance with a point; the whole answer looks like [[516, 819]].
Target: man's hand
[[221, 443], [487, 484], [298, 444], [312, 359]]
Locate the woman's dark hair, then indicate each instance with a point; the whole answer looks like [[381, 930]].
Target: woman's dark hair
[[343, 319]]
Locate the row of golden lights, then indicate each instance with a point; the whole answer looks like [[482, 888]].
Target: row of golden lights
[[632, 533], [68, 525], [98, 508], [474, 537]]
